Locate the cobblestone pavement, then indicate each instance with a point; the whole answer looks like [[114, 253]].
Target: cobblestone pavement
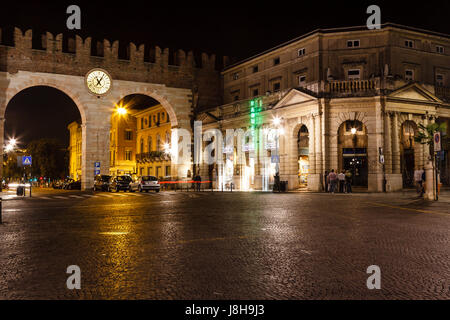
[[224, 246]]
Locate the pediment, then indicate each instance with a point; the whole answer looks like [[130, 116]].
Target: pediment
[[294, 97], [414, 92]]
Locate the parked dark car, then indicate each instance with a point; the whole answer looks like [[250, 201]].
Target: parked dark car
[[147, 183], [66, 183], [102, 183], [121, 183], [58, 184], [74, 185]]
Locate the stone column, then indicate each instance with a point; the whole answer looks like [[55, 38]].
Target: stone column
[[312, 147], [426, 148], [95, 148], [318, 133], [395, 146], [2, 134], [387, 143]]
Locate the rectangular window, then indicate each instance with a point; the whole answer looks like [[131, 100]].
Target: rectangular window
[[236, 98], [276, 87], [354, 74], [158, 172], [409, 75], [276, 61], [440, 80], [142, 123], [255, 92], [440, 49], [255, 69], [302, 81], [409, 43], [167, 171], [128, 135], [128, 155], [235, 75], [301, 52], [353, 44], [149, 171]]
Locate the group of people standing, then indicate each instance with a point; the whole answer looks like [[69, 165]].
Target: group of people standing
[[338, 182]]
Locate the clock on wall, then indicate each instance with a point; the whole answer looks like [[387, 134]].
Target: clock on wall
[[98, 82]]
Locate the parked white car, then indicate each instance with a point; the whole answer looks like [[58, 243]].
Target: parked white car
[[146, 183]]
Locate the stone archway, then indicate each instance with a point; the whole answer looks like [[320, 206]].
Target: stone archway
[[301, 149], [353, 153], [409, 151], [96, 111]]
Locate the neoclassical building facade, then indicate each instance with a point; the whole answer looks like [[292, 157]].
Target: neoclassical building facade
[[344, 99]]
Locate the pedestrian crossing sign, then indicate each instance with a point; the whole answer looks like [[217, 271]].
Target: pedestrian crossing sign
[[27, 161]]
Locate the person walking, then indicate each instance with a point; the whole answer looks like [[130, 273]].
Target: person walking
[[418, 180], [332, 178], [198, 181], [348, 182], [341, 180], [424, 183]]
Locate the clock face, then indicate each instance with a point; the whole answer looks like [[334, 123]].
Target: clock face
[[98, 82]]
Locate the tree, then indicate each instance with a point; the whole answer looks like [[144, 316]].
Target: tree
[[48, 158], [425, 135]]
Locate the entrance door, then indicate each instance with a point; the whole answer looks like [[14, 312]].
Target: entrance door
[[355, 161], [408, 168]]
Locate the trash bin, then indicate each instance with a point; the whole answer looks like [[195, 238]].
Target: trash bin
[[20, 191]]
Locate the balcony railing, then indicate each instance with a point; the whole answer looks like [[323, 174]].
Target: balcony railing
[[443, 93], [152, 156], [352, 86]]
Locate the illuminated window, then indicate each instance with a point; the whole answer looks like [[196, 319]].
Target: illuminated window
[[409, 43], [409, 75], [354, 74], [128, 135], [276, 86], [440, 80], [302, 81], [353, 44]]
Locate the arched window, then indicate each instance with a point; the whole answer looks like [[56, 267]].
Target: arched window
[[158, 142], [150, 144], [168, 137]]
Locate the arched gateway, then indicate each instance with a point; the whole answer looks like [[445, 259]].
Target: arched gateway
[[177, 88]]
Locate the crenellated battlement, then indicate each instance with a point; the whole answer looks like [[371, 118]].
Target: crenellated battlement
[[51, 53], [51, 44]]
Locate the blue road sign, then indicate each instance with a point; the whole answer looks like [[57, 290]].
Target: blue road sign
[[27, 161], [275, 159], [97, 165], [97, 172]]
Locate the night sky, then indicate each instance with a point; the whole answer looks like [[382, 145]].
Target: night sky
[[235, 28]]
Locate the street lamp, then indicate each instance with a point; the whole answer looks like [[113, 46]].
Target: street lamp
[[121, 111], [12, 143]]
